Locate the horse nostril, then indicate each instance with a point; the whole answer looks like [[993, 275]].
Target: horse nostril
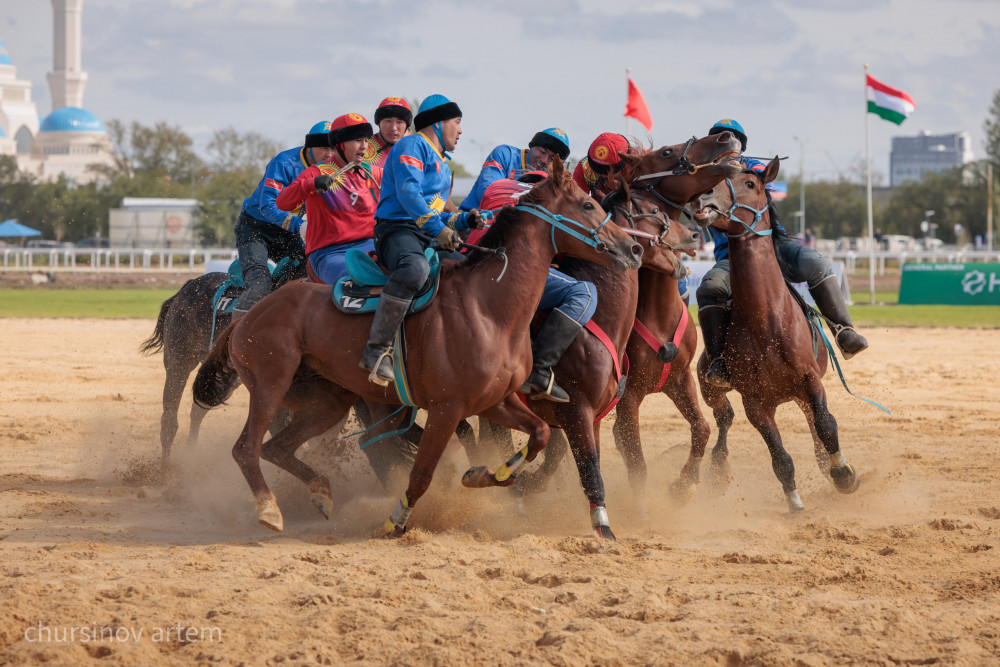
[[695, 236], [636, 250]]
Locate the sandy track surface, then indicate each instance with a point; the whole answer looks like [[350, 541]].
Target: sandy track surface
[[99, 564]]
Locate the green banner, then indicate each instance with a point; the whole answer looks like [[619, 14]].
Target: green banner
[[950, 284]]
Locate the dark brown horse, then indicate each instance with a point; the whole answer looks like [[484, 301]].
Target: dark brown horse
[[588, 371], [769, 344], [466, 354]]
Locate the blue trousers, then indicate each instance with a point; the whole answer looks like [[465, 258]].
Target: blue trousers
[[330, 263], [577, 299]]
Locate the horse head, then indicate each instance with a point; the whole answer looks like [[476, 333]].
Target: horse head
[[662, 239], [579, 225], [675, 175], [740, 206]]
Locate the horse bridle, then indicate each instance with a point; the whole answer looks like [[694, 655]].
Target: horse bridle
[[566, 225], [632, 229], [757, 215], [682, 165]]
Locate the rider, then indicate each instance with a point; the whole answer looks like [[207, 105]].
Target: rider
[[602, 160], [393, 117], [798, 264], [506, 161], [571, 302], [263, 231], [340, 199], [415, 185]]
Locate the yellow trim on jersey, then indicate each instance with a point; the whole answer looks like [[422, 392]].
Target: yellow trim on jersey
[[421, 133]]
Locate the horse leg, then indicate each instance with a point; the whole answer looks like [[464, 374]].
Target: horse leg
[[308, 422], [178, 370], [494, 441], [819, 449], [197, 415], [512, 413], [722, 411], [583, 437], [555, 452], [684, 394], [385, 455], [437, 433], [824, 425], [762, 418], [628, 442]]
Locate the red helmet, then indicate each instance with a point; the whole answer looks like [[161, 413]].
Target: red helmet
[[349, 126], [603, 154], [393, 107]]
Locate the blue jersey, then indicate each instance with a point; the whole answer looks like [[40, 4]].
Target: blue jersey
[[416, 182], [721, 240], [503, 162], [282, 170]]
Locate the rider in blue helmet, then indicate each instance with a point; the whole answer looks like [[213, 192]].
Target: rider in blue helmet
[[798, 264], [416, 183], [264, 231], [507, 161]]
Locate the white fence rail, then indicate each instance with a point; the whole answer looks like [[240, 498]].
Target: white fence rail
[[851, 258], [103, 260]]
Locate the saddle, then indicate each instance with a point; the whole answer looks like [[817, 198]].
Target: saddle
[[360, 289], [225, 296]]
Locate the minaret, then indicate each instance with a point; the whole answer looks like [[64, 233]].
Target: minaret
[[67, 79]]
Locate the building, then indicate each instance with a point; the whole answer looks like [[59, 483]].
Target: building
[[153, 223], [911, 157], [70, 139]]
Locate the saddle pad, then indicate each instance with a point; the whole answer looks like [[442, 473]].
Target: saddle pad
[[359, 293]]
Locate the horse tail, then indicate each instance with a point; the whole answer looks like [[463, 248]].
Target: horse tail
[[154, 343], [216, 379]]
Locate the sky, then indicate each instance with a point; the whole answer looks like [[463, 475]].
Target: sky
[[790, 71]]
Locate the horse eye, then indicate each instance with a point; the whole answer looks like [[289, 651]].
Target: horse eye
[[588, 206], [667, 152], [751, 185]]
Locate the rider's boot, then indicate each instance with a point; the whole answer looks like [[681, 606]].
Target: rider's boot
[[377, 357], [552, 341], [713, 329], [830, 301]]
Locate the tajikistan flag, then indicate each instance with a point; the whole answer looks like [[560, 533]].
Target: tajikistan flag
[[890, 103]]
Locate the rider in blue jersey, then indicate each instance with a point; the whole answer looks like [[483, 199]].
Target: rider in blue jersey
[[509, 162], [264, 231], [415, 186], [798, 264]]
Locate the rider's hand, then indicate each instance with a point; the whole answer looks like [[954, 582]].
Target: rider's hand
[[323, 182], [448, 238], [474, 219]]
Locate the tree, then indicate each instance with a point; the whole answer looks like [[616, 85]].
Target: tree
[[992, 128], [231, 151]]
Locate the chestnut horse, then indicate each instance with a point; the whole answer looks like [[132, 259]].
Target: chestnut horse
[[587, 371], [769, 344], [466, 354]]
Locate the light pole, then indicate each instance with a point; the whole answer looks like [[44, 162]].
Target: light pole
[[802, 188]]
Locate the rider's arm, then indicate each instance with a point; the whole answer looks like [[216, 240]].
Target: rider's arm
[[277, 177], [409, 172], [493, 169], [292, 196]]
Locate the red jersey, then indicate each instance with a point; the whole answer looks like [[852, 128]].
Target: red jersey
[[376, 152], [499, 193], [345, 212]]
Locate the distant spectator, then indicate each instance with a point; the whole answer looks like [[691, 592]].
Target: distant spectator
[[880, 239], [809, 241]]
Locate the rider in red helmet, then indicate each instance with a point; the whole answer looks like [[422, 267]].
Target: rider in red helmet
[[393, 118], [603, 159], [340, 196]]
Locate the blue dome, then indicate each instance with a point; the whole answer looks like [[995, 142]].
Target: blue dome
[[4, 56], [71, 119], [2, 133]]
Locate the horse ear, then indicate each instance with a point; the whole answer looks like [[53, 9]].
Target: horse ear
[[557, 168], [771, 172]]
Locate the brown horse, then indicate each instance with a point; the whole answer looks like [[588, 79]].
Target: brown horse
[[466, 354], [588, 371], [769, 344]]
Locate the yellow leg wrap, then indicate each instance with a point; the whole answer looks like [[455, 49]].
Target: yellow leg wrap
[[516, 462]]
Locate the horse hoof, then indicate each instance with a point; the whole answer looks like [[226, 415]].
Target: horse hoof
[[323, 503], [477, 478], [394, 532], [845, 478], [604, 533], [682, 491], [794, 502], [269, 515]]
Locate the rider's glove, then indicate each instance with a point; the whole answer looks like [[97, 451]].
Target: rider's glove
[[448, 238], [323, 182]]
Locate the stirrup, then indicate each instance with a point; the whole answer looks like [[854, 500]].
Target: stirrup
[[839, 329], [373, 376], [718, 378], [547, 392]]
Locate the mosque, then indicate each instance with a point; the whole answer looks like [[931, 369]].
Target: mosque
[[70, 139]]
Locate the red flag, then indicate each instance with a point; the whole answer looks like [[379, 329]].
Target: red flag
[[636, 106]]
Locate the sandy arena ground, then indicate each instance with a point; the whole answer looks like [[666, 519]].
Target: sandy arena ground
[[97, 565]]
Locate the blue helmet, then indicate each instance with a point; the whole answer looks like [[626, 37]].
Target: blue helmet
[[434, 109], [318, 135], [554, 140], [730, 125]]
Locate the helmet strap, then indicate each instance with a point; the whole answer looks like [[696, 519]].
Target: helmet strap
[[438, 131]]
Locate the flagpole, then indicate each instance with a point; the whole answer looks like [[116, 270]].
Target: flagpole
[[628, 119], [871, 233]]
